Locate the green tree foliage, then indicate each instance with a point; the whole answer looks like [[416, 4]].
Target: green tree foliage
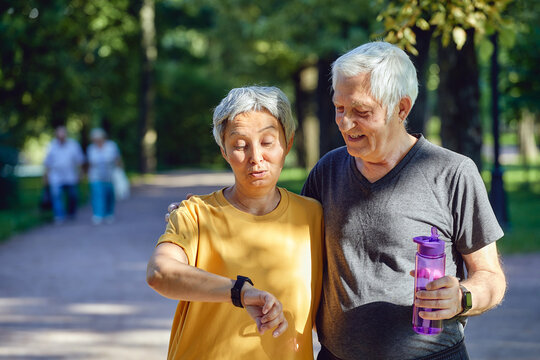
[[449, 19], [189, 84], [237, 43], [459, 92], [521, 73], [66, 60], [276, 41], [80, 61]]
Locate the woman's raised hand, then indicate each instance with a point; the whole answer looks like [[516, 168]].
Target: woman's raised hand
[[265, 309]]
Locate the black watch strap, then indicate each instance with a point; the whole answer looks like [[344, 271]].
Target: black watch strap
[[237, 288], [466, 300]]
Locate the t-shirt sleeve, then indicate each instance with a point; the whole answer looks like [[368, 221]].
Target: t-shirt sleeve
[[311, 188], [475, 224], [182, 231]]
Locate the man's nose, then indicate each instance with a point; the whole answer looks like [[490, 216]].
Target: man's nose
[[344, 122]]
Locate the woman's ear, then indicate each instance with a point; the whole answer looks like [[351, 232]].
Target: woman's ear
[[290, 144], [224, 154]]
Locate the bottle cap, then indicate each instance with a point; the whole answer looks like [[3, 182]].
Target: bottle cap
[[430, 245]]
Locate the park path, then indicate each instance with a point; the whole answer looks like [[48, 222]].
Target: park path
[[78, 291]]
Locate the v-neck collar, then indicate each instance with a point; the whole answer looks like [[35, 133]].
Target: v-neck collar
[[393, 172]]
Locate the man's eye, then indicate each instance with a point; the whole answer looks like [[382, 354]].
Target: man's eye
[[362, 113]]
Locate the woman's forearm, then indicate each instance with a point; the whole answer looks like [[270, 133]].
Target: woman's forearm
[[177, 280]]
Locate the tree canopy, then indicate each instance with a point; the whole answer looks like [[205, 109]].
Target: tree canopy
[[81, 62]]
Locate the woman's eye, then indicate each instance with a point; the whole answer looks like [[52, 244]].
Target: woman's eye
[[339, 109]]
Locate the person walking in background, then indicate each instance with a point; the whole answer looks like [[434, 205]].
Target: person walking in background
[[62, 167], [103, 157]]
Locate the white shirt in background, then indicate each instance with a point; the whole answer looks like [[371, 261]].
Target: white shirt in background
[[63, 161], [102, 161]]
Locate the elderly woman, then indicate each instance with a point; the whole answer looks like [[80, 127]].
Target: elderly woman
[[103, 157], [245, 261]]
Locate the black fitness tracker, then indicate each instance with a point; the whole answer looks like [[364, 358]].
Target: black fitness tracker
[[466, 300], [237, 288]]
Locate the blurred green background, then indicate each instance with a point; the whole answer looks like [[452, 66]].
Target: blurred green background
[[150, 72]]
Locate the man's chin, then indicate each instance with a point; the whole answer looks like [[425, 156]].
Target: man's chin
[[354, 151]]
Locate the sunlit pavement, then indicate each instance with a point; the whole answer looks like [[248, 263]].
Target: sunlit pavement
[[512, 330], [78, 291]]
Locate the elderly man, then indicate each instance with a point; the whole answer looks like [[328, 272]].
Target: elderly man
[[378, 192], [62, 167]]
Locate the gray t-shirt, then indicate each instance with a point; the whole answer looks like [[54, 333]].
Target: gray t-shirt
[[366, 305]]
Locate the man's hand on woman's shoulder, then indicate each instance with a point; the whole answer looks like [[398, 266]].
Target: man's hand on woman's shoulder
[[173, 206]]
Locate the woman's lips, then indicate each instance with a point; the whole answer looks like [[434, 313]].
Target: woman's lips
[[258, 174]]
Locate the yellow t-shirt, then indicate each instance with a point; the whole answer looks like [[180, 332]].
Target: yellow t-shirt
[[280, 251]]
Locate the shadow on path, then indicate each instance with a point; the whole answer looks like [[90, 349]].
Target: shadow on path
[[512, 330], [78, 291]]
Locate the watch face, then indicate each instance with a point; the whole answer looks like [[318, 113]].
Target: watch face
[[466, 301]]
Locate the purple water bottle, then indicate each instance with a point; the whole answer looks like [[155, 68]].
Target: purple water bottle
[[430, 265]]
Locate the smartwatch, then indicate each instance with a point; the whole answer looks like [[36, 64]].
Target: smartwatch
[[237, 288], [466, 300]]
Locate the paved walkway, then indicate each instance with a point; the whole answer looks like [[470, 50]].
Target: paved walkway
[[78, 291]]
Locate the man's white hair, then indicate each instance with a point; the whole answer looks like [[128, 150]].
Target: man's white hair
[[392, 73]]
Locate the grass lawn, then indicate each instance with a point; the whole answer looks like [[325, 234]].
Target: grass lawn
[[522, 187], [293, 179], [26, 214]]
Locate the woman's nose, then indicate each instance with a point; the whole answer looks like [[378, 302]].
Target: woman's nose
[[256, 155]]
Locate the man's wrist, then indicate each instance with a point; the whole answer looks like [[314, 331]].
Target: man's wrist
[[466, 300]]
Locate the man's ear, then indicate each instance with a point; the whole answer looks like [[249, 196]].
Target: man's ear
[[404, 108], [290, 144]]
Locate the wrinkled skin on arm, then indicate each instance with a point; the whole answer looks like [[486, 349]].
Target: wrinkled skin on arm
[[169, 274]]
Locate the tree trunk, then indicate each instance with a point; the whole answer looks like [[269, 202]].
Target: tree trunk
[[330, 137], [148, 136], [458, 97], [417, 119], [307, 136], [527, 143], [299, 101]]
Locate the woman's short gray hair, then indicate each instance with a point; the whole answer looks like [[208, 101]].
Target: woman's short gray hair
[[253, 98], [392, 73]]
